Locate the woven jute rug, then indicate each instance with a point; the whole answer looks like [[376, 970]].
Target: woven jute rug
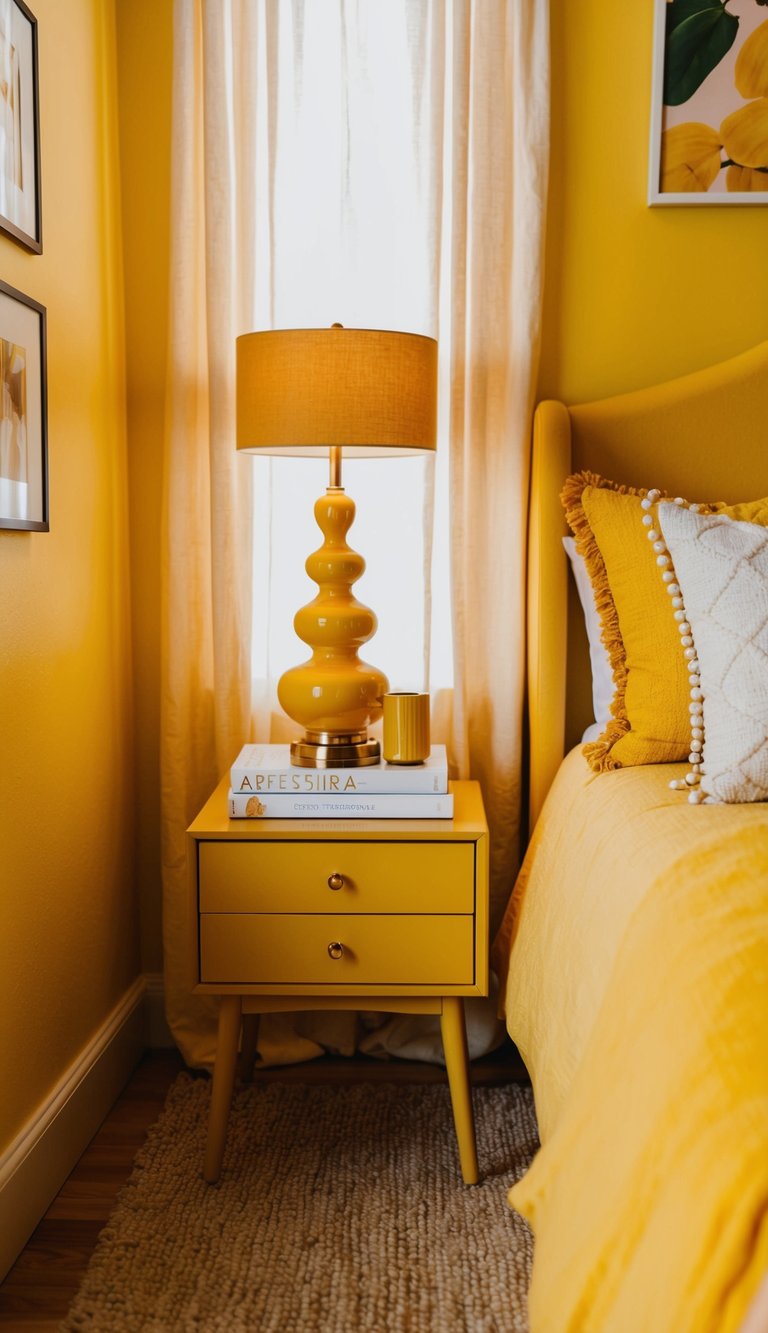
[[339, 1209]]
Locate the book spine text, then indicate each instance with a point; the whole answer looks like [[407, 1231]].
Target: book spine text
[[339, 782], [242, 805]]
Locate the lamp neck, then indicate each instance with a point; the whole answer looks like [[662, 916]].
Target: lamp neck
[[334, 478]]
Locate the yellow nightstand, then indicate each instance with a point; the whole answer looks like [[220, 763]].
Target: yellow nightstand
[[387, 915]]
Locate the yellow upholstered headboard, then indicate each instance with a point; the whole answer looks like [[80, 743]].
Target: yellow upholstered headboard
[[704, 436]]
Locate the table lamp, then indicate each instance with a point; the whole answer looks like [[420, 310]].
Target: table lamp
[[365, 393]]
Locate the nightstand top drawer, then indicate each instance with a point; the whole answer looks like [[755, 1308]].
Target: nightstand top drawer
[[342, 952], [337, 877]]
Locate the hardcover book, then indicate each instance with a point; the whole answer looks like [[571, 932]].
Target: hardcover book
[[264, 770], [320, 805]]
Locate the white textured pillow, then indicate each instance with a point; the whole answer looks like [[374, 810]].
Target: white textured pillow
[[602, 676], [722, 568]]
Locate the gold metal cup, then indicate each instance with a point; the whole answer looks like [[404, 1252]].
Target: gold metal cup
[[406, 728]]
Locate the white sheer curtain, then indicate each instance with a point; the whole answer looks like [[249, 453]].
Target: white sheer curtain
[[347, 162], [380, 163]]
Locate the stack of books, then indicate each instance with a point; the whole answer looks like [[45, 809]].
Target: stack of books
[[264, 784]]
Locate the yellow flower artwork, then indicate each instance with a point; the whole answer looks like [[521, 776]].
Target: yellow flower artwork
[[751, 71], [690, 157], [745, 134], [714, 123]]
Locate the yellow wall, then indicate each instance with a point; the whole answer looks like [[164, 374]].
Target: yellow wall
[[144, 44], [634, 295], [67, 907]]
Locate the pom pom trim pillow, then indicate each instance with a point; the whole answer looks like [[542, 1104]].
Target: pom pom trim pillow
[[650, 721], [722, 565]]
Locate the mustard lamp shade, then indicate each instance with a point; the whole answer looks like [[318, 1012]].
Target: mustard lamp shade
[[372, 391], [343, 392]]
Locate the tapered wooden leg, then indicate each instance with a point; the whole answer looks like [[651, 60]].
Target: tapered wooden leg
[[457, 1065], [249, 1047], [222, 1085]]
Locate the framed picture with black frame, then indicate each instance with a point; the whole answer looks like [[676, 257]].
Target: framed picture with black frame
[[20, 214], [23, 412]]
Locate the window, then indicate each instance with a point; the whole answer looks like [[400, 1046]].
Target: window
[[347, 178]]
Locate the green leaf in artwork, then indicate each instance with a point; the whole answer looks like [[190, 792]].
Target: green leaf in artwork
[[678, 11], [694, 47]]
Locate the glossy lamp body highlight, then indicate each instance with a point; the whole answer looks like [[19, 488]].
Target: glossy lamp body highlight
[[363, 392], [334, 693]]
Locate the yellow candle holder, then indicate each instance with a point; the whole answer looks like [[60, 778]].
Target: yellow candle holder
[[406, 727]]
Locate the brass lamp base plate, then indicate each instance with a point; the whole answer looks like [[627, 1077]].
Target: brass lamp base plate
[[323, 750]]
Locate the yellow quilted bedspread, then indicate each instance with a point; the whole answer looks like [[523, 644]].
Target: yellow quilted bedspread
[[637, 991]]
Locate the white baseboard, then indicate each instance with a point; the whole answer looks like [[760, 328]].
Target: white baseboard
[[36, 1164], [158, 1031]]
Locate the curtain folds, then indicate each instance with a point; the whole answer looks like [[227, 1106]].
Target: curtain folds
[[474, 144], [499, 182]]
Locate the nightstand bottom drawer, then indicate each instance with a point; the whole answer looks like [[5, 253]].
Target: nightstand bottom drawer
[[375, 950]]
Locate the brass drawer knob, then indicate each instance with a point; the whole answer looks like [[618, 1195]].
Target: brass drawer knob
[[335, 949], [336, 881]]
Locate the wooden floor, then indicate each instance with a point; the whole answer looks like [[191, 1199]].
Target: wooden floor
[[37, 1292]]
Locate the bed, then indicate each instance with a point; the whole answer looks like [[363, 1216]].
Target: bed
[[633, 956]]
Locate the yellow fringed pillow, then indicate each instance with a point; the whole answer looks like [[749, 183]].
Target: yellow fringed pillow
[[650, 722]]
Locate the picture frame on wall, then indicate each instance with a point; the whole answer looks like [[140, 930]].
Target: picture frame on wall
[[709, 113], [20, 214], [23, 412]]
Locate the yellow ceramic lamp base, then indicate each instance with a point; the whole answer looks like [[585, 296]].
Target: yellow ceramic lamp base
[[334, 695]]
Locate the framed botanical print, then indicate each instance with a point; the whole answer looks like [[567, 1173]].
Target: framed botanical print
[[20, 215], [23, 412], [709, 118]]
